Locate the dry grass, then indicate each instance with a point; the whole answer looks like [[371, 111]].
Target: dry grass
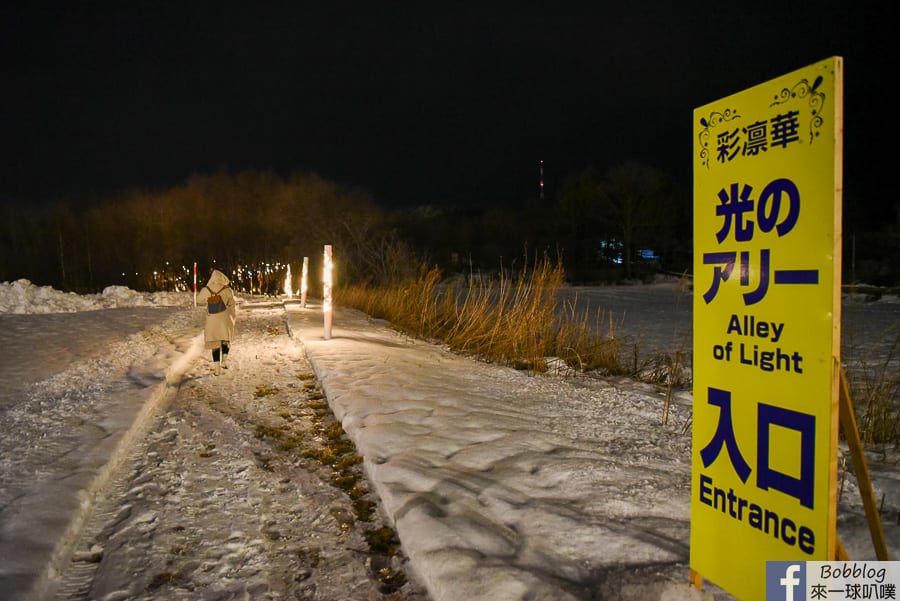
[[513, 319], [875, 390]]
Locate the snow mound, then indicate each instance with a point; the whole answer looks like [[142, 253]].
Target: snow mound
[[22, 296]]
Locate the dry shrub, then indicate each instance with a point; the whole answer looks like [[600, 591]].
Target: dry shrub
[[512, 319], [580, 345], [509, 320], [875, 390]]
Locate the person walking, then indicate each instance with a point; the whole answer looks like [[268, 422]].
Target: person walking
[[221, 314]]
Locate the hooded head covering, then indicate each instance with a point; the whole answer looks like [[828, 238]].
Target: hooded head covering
[[217, 280]]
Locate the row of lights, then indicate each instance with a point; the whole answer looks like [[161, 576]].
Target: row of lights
[[244, 278]]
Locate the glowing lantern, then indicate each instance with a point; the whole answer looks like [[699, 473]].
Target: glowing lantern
[[303, 281], [287, 284], [327, 309]]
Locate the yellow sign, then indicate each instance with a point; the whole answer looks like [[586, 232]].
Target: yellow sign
[[767, 314]]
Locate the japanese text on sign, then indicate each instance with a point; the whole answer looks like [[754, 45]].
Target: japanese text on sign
[[802, 488], [734, 205], [766, 327]]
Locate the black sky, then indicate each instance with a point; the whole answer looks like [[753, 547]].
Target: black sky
[[415, 102]]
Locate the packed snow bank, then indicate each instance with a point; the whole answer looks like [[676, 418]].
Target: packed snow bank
[[65, 435], [23, 297]]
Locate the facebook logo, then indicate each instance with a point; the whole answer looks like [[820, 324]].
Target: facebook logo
[[785, 581]]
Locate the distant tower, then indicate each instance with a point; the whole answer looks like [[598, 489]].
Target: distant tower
[[542, 179]]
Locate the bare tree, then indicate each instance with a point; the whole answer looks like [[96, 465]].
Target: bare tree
[[633, 201]]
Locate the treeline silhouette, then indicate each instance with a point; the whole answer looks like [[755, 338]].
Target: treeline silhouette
[[625, 223], [246, 223], [146, 240]]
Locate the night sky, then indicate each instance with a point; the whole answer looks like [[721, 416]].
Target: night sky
[[415, 102]]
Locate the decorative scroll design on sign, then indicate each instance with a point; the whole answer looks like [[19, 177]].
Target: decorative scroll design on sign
[[801, 90], [708, 123]]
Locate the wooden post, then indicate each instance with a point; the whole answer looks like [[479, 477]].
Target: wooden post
[[840, 553], [696, 580], [851, 433]]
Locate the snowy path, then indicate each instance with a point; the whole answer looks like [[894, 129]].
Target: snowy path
[[223, 499], [167, 482], [507, 486]]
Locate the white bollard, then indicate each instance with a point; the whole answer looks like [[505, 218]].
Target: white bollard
[[288, 285], [303, 282], [327, 308]]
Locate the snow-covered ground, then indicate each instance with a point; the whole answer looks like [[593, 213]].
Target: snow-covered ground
[[500, 484]]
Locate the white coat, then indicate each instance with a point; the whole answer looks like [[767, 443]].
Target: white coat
[[219, 326]]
